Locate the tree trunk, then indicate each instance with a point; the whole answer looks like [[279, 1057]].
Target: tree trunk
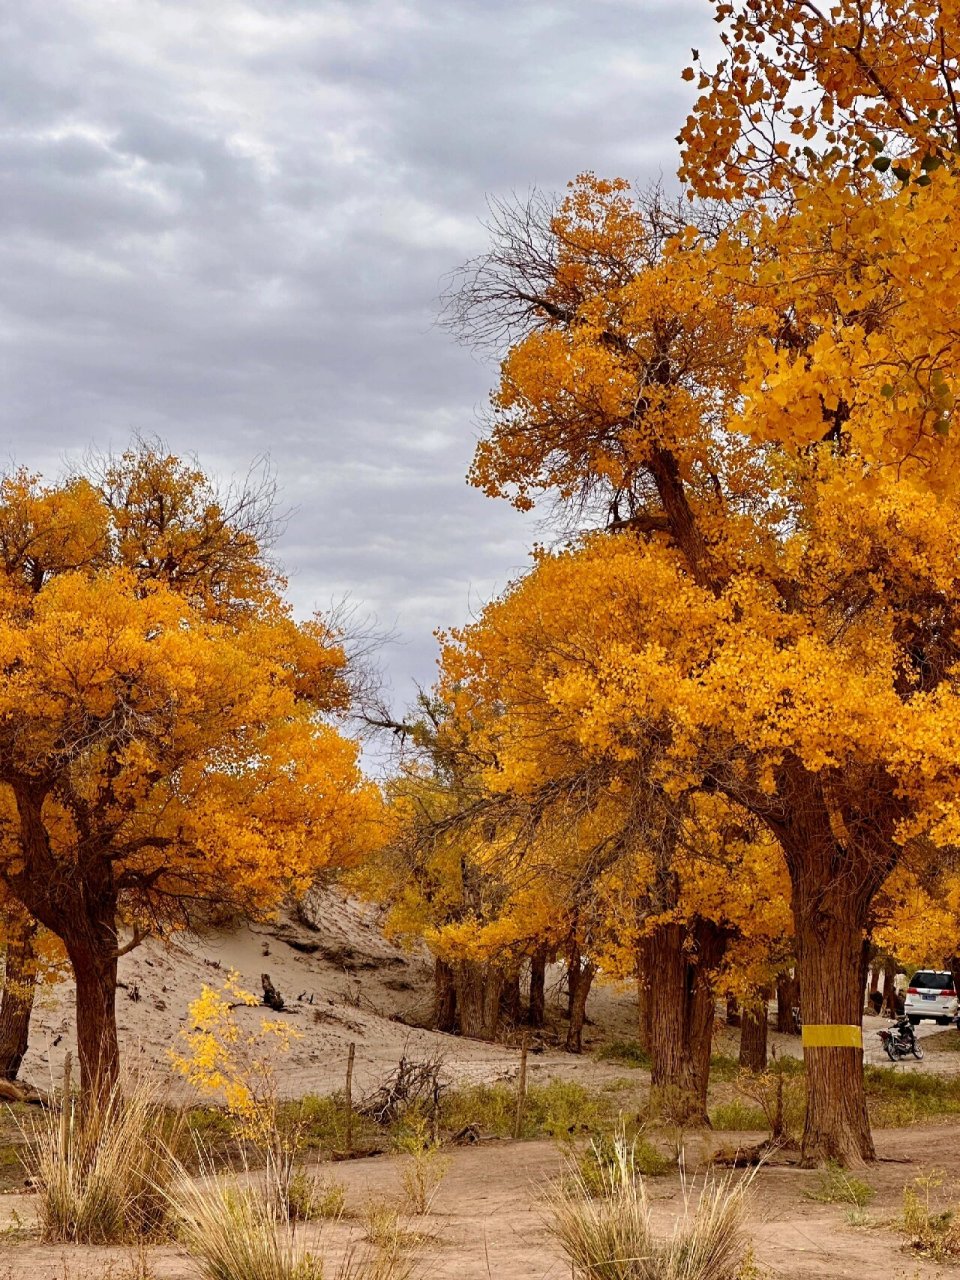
[[681, 1014], [510, 998], [643, 996], [581, 980], [19, 989], [478, 986], [889, 990], [788, 999], [753, 1034], [874, 978], [733, 1012], [833, 887], [89, 933], [77, 902], [444, 997], [537, 1008]]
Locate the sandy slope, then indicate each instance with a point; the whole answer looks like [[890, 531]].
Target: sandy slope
[[342, 980]]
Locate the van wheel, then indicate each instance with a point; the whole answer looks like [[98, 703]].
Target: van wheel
[[914, 1022], [943, 1022]]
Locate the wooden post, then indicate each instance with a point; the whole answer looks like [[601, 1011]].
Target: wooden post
[[349, 1096], [521, 1089]]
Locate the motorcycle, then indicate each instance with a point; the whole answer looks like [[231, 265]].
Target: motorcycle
[[900, 1040]]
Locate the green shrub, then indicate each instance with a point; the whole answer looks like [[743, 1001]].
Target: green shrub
[[838, 1186], [595, 1165], [626, 1053], [724, 1067], [737, 1116], [896, 1099], [558, 1109]]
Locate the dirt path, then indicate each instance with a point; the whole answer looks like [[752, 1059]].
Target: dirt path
[[487, 1220]]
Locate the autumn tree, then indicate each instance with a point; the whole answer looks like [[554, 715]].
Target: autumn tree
[[765, 413], [165, 739], [805, 89], [664, 877]]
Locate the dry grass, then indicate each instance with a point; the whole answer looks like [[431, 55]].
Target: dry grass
[[101, 1170], [236, 1233], [932, 1228], [610, 1237]]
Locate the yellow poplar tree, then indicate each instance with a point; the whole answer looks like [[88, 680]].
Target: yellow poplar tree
[[164, 722], [766, 411]]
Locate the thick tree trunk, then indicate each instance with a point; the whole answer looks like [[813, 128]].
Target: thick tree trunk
[[77, 902], [89, 933], [95, 971], [874, 978], [833, 886], [643, 996], [478, 986], [788, 998], [510, 998], [753, 1034], [681, 1014], [537, 1007], [829, 948], [581, 980], [19, 989], [444, 997]]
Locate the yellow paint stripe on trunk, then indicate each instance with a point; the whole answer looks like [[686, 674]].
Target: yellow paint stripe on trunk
[[827, 1035]]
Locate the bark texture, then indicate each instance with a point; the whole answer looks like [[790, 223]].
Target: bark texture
[[444, 997], [510, 998], [580, 977], [537, 1006], [478, 987], [16, 1004], [833, 884], [681, 1006], [753, 1034], [788, 999]]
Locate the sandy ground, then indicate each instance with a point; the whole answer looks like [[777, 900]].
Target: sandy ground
[[350, 985], [488, 1219], [345, 983]]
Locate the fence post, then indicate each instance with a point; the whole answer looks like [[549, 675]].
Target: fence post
[[521, 1089], [349, 1096]]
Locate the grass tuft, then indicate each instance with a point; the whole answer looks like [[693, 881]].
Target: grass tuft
[[932, 1229], [101, 1170], [738, 1117], [236, 1233], [610, 1237], [626, 1053], [838, 1186]]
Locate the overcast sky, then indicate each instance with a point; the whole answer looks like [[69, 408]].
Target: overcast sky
[[226, 222]]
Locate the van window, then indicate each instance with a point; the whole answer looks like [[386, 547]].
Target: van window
[[932, 980]]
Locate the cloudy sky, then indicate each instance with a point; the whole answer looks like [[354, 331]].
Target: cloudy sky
[[226, 222]]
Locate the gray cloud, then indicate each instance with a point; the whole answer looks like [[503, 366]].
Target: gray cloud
[[227, 224]]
